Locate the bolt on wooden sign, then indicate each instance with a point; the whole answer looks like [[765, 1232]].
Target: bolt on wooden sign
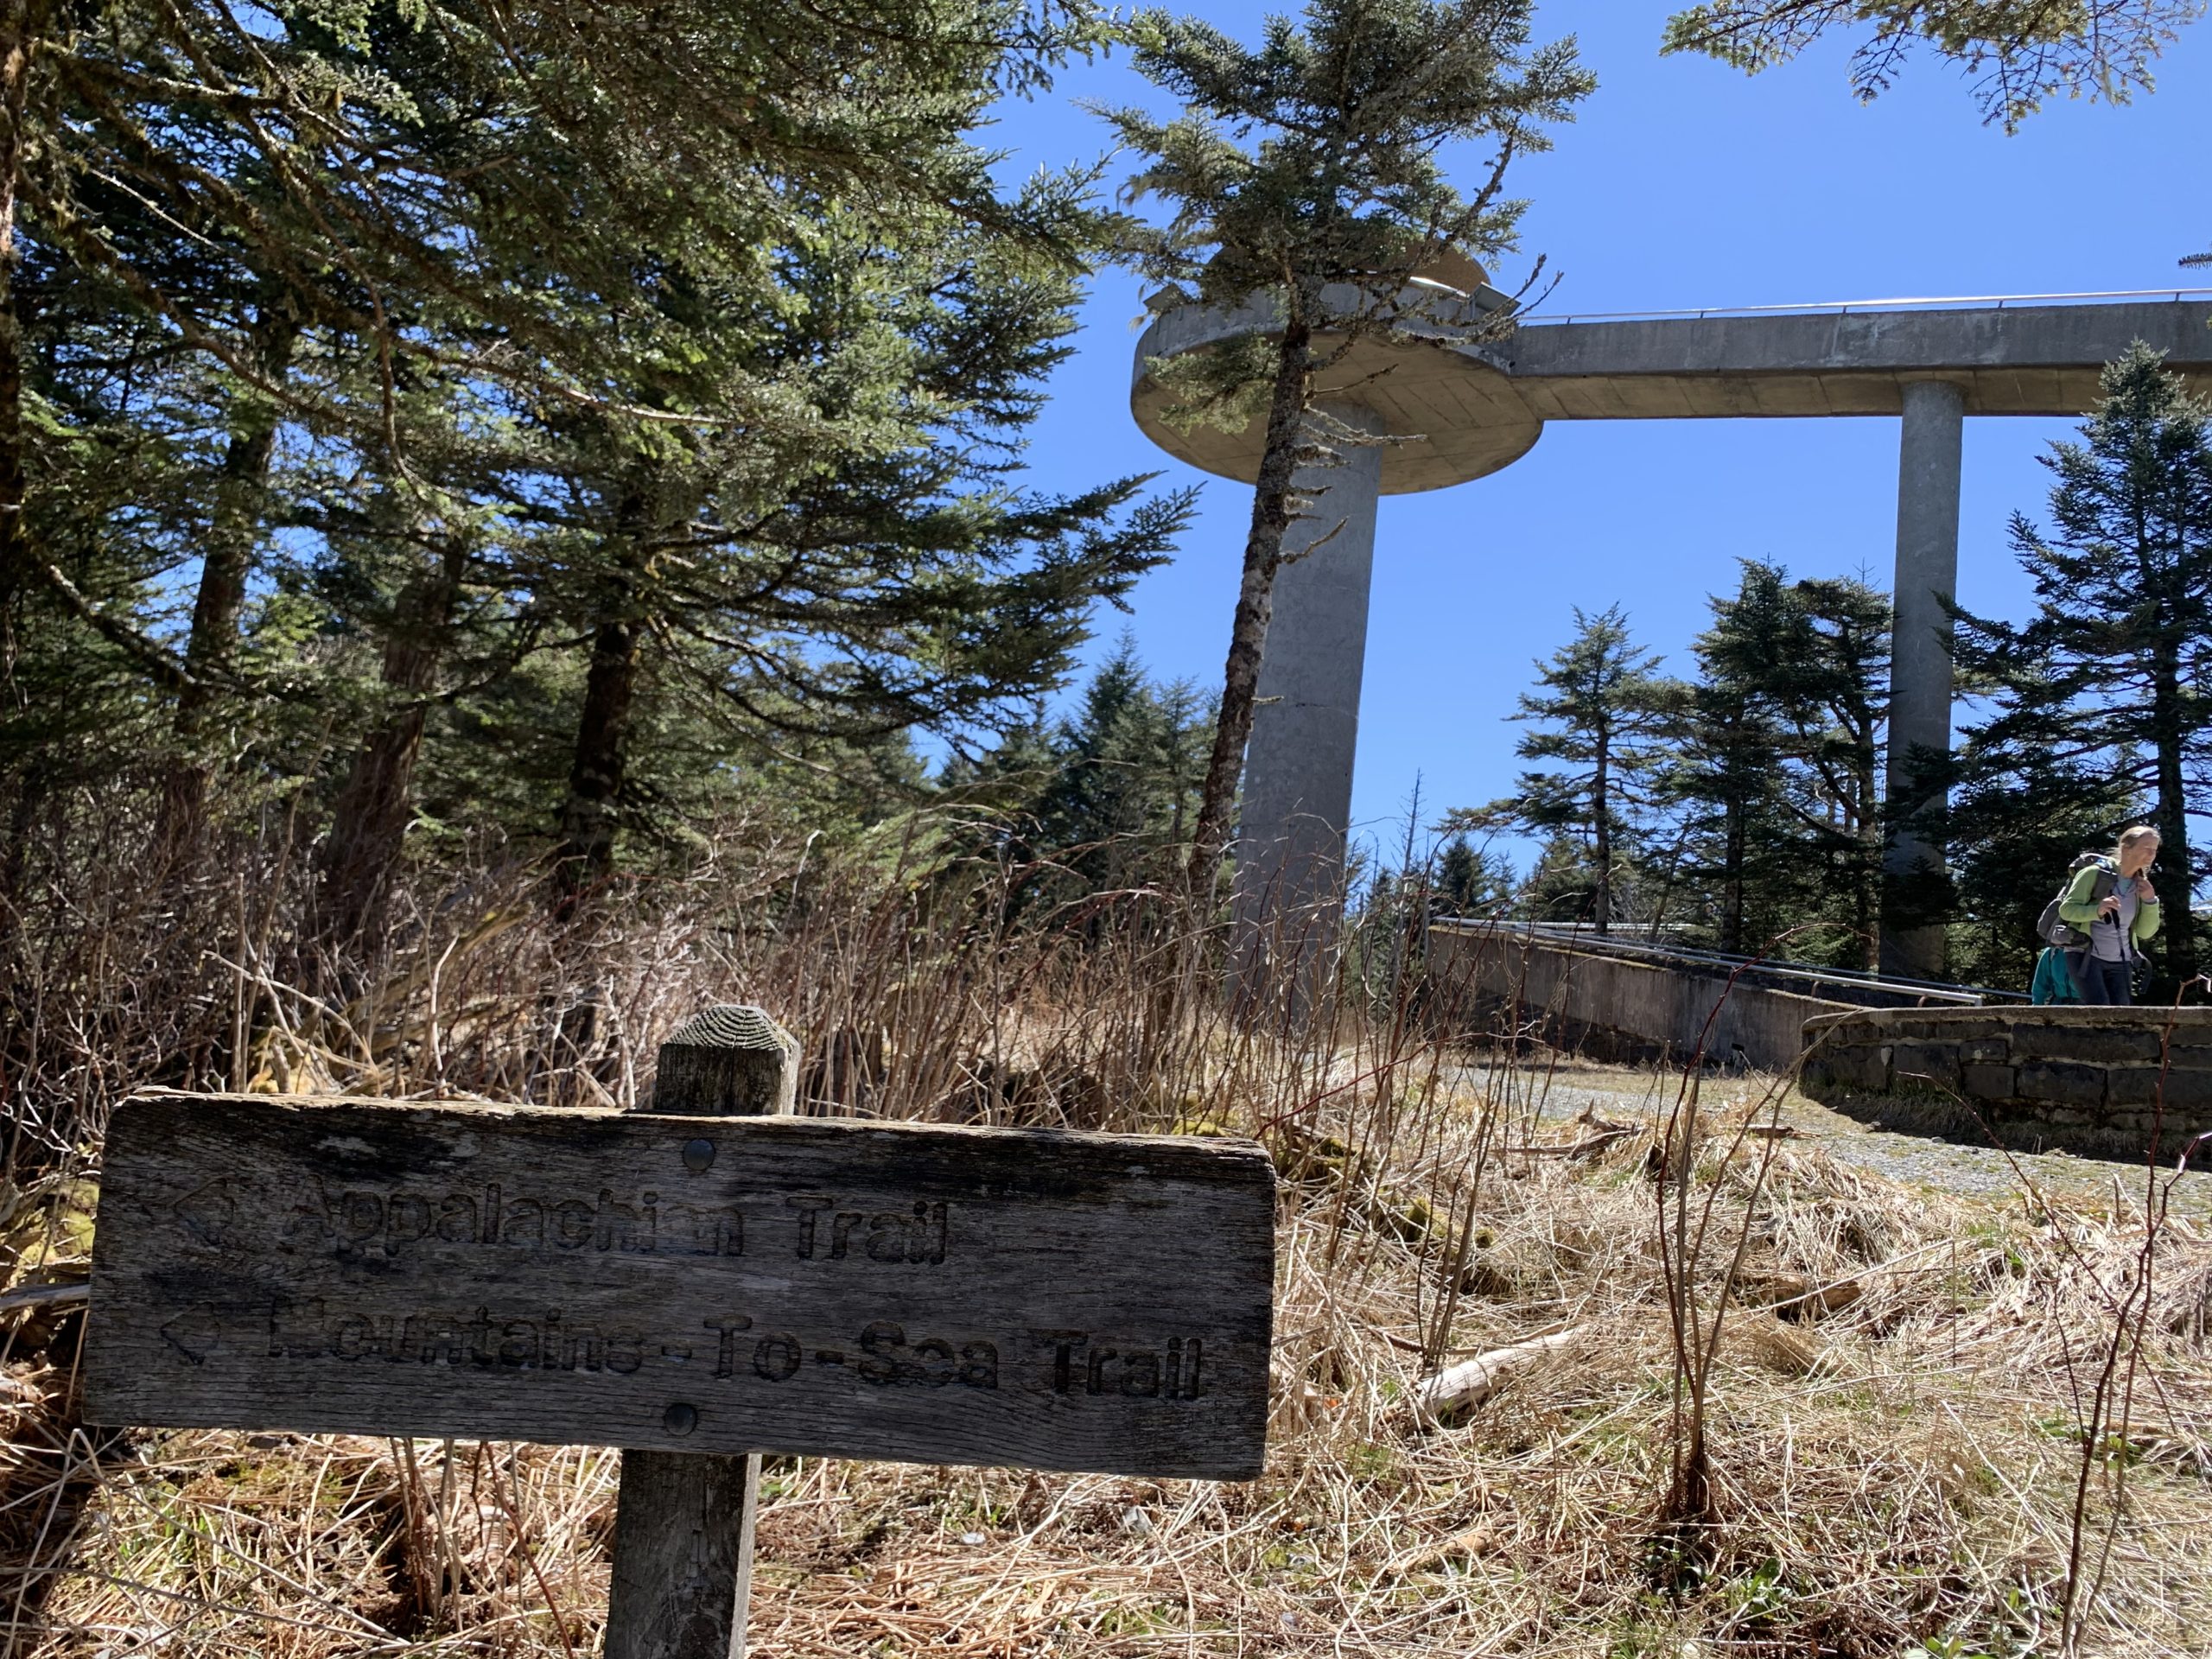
[[867, 1290]]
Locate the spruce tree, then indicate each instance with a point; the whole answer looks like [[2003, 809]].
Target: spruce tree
[[1096, 802], [1308, 170], [1836, 689], [1469, 882], [832, 543], [1793, 697], [1606, 720], [697, 337], [1561, 884], [1728, 771], [2024, 50], [2100, 699], [409, 579], [1124, 782], [298, 216]]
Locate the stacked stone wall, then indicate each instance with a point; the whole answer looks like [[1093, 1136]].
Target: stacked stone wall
[[2095, 1081]]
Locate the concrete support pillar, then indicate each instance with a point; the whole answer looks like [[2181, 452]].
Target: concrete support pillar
[[1288, 901], [1920, 675]]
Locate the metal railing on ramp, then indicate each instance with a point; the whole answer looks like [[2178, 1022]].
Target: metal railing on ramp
[[1836, 984]]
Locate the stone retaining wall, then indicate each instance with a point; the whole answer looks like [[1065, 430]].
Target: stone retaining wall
[[2084, 1080]]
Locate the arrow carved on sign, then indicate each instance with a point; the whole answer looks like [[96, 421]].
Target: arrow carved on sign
[[194, 1333]]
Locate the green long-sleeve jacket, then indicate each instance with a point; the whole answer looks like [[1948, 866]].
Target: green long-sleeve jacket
[[2092, 883]]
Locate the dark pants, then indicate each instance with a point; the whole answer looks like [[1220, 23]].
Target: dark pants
[[2104, 983]]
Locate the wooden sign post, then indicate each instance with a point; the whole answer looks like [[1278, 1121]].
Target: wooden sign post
[[694, 1284], [683, 1568]]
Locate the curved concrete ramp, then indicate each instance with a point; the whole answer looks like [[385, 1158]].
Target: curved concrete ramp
[[1619, 1000]]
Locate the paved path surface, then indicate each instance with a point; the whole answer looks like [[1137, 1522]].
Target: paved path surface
[[1625, 1093]]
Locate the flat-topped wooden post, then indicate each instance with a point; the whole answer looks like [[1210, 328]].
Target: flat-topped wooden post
[[695, 1283], [684, 1520]]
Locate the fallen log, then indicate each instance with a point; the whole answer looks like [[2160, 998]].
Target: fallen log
[[1589, 1147], [1588, 1118], [1781, 1349], [1793, 1296], [1469, 1546], [1466, 1385]]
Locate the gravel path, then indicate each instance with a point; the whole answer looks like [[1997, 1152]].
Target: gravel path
[[1635, 1094]]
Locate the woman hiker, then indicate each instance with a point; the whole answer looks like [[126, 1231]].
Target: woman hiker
[[2113, 902]]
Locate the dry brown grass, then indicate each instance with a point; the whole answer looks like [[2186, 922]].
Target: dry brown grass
[[1894, 1453]]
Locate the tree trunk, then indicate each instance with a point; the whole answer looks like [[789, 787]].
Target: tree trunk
[[225, 566], [369, 824], [1601, 834], [1247, 635], [2171, 816], [1866, 888], [592, 810], [23, 805], [21, 21], [1731, 878]]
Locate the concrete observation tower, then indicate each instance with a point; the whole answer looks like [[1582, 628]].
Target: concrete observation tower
[[1461, 406]]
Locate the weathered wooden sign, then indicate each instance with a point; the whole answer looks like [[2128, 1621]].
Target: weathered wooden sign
[[686, 1283]]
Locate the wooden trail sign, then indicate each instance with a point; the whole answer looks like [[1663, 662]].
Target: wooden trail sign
[[916, 1292], [690, 1284]]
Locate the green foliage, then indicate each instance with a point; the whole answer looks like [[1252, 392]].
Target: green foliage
[[1562, 884], [570, 426], [1748, 806], [1729, 775], [1309, 170], [2023, 51], [1101, 801], [1778, 771], [2099, 709], [1471, 881], [1346, 112], [1606, 720], [1746, 810]]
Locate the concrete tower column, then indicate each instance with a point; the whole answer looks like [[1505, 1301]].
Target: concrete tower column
[[1288, 898], [1920, 675]]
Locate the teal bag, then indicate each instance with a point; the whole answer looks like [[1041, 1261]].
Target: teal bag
[[2053, 981]]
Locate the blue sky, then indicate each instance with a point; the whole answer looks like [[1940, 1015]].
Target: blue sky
[[1683, 185]]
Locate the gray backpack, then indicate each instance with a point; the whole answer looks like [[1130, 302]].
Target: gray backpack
[[2066, 936]]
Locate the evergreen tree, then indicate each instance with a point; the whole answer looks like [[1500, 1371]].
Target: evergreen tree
[[1779, 768], [1101, 800], [862, 567], [1836, 690], [1308, 165], [1470, 882], [1123, 787], [1729, 771], [88, 694], [1562, 884], [2024, 50], [676, 397], [2100, 699], [1607, 720], [409, 580]]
